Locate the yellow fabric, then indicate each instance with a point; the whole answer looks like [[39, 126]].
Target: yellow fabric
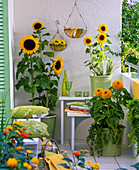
[[54, 162], [135, 89], [48, 154]]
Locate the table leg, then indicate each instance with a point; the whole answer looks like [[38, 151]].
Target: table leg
[[62, 122], [72, 132]]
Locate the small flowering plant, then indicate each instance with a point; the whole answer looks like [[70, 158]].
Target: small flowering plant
[[106, 110], [79, 161], [100, 62], [12, 153]]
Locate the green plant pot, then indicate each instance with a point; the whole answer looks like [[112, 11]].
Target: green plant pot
[[103, 82], [50, 120], [112, 149]]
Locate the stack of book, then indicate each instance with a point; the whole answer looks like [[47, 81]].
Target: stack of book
[[77, 107]]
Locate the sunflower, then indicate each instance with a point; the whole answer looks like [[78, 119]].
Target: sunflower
[[117, 84], [56, 41], [38, 25], [29, 44], [88, 40], [102, 38], [62, 42], [58, 65], [106, 94], [103, 28], [98, 91]]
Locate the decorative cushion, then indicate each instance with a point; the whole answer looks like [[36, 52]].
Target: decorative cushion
[[35, 129], [29, 111]]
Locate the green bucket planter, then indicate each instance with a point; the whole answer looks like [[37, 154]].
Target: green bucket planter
[[112, 149], [103, 82], [50, 120]]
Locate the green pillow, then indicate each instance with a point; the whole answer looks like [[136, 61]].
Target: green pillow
[[29, 111], [37, 129]]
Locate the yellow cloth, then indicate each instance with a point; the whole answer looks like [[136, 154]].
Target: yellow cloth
[[48, 154], [54, 162], [135, 89]]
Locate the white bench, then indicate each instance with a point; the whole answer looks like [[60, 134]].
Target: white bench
[[73, 116]]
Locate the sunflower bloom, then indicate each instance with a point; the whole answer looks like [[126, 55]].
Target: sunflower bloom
[[35, 160], [12, 162], [102, 38], [76, 153], [18, 123], [106, 94], [88, 162], [62, 42], [103, 28], [58, 65], [19, 148], [95, 166], [9, 128], [38, 25], [56, 41], [17, 131], [98, 91], [117, 84], [29, 44], [86, 151], [25, 164], [88, 40]]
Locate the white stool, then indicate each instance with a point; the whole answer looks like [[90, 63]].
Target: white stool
[[73, 116]]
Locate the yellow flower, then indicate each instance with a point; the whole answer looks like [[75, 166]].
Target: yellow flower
[[102, 38], [103, 28], [38, 25], [58, 65], [0, 101], [56, 41], [62, 42], [29, 151], [30, 133], [18, 123], [95, 166], [24, 128], [9, 128], [17, 131], [29, 44], [19, 148], [106, 94], [29, 167], [25, 164], [88, 40], [117, 84], [86, 150], [12, 162], [88, 162], [98, 91], [35, 160]]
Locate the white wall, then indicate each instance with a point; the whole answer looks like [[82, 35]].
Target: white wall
[[94, 13]]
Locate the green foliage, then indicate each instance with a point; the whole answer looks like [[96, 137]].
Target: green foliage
[[129, 34], [133, 118], [36, 75], [106, 114]]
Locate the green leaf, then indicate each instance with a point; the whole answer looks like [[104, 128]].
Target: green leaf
[[21, 52], [88, 50], [22, 82], [30, 89], [111, 123], [43, 81], [46, 34], [45, 42], [49, 54]]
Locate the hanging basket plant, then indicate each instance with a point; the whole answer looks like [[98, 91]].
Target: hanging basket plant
[[75, 32], [58, 43]]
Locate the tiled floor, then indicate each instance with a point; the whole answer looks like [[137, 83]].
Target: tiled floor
[[106, 163]]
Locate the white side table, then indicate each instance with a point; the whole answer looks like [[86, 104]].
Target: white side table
[[73, 116], [67, 98]]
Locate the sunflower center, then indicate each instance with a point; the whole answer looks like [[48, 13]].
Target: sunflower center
[[118, 83], [98, 90], [88, 41], [29, 44], [58, 65], [103, 28], [105, 92], [101, 37], [37, 26]]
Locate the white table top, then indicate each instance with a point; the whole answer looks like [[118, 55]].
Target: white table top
[[70, 114], [73, 98]]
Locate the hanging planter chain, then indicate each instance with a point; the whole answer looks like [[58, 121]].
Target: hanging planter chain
[[57, 23]]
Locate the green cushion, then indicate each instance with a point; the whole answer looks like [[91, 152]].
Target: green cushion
[[37, 129], [28, 111]]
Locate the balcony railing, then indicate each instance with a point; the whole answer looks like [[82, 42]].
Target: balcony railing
[[133, 66]]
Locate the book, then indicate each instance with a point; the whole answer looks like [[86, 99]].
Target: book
[[76, 111]]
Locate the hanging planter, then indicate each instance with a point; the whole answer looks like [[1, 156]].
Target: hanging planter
[[75, 32], [58, 43]]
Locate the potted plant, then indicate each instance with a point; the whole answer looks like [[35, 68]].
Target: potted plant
[[106, 132], [39, 75], [133, 118], [100, 64]]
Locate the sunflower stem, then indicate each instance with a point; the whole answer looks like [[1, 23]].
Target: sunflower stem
[[32, 75], [40, 46], [47, 95]]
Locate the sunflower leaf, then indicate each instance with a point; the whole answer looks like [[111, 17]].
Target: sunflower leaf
[[21, 52], [46, 34], [49, 54], [29, 89]]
